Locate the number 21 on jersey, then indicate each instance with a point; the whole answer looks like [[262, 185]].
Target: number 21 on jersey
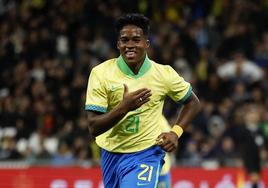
[[133, 124], [146, 173]]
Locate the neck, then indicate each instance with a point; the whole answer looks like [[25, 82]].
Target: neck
[[135, 67]]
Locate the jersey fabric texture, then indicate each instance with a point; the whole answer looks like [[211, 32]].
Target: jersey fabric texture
[[135, 170], [138, 129]]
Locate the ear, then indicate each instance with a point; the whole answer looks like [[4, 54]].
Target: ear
[[147, 43]]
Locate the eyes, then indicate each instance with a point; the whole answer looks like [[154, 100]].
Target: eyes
[[134, 39]]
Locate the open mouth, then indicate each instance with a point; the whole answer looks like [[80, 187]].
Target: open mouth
[[130, 54]]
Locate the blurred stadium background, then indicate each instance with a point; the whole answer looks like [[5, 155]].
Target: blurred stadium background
[[47, 49]]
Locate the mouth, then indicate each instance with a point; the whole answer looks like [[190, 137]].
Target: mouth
[[130, 54]]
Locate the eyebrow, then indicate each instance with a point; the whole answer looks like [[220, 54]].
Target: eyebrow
[[139, 36], [122, 36]]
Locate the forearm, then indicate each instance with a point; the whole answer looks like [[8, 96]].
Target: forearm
[[188, 112], [99, 124]]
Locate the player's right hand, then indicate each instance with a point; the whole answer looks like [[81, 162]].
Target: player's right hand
[[135, 99]]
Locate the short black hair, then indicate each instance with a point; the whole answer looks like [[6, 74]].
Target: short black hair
[[133, 19]]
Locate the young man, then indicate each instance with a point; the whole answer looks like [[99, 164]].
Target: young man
[[125, 98]]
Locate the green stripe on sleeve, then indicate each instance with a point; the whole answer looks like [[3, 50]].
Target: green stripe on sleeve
[[95, 108], [186, 96]]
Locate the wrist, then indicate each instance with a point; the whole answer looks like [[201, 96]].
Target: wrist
[[122, 110], [177, 130]]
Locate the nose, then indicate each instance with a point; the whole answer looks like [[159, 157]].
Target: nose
[[129, 48], [130, 44]]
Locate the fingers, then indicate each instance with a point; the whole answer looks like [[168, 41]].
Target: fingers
[[143, 100], [125, 89], [135, 99], [167, 142], [159, 141], [142, 96], [145, 94], [166, 145], [169, 147], [141, 92]]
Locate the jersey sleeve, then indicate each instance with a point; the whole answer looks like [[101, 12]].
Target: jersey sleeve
[[178, 89], [96, 97]]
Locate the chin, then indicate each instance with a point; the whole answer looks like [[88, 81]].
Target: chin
[[131, 61]]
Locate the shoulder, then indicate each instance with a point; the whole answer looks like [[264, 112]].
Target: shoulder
[[103, 70], [163, 69], [105, 66]]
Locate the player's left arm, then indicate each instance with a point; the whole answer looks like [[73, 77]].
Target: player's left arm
[[181, 92], [169, 140], [189, 110]]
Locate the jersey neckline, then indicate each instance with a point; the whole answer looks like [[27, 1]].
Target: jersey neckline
[[127, 71]]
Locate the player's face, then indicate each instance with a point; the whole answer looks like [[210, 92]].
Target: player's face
[[132, 44]]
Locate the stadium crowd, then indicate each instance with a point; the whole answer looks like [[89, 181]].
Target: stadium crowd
[[47, 49]]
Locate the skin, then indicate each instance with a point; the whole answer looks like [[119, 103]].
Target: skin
[[100, 123], [133, 42], [132, 45], [169, 141]]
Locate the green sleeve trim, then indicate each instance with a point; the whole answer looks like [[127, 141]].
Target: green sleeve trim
[[186, 96], [95, 108]]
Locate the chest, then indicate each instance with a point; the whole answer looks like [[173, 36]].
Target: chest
[[115, 89]]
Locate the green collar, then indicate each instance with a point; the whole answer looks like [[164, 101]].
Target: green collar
[[126, 70]]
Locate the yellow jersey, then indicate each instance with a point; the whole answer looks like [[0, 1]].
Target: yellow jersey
[[138, 129]]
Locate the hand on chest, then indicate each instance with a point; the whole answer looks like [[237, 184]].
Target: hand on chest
[[116, 91]]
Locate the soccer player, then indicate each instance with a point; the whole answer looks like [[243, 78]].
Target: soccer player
[[124, 99]]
